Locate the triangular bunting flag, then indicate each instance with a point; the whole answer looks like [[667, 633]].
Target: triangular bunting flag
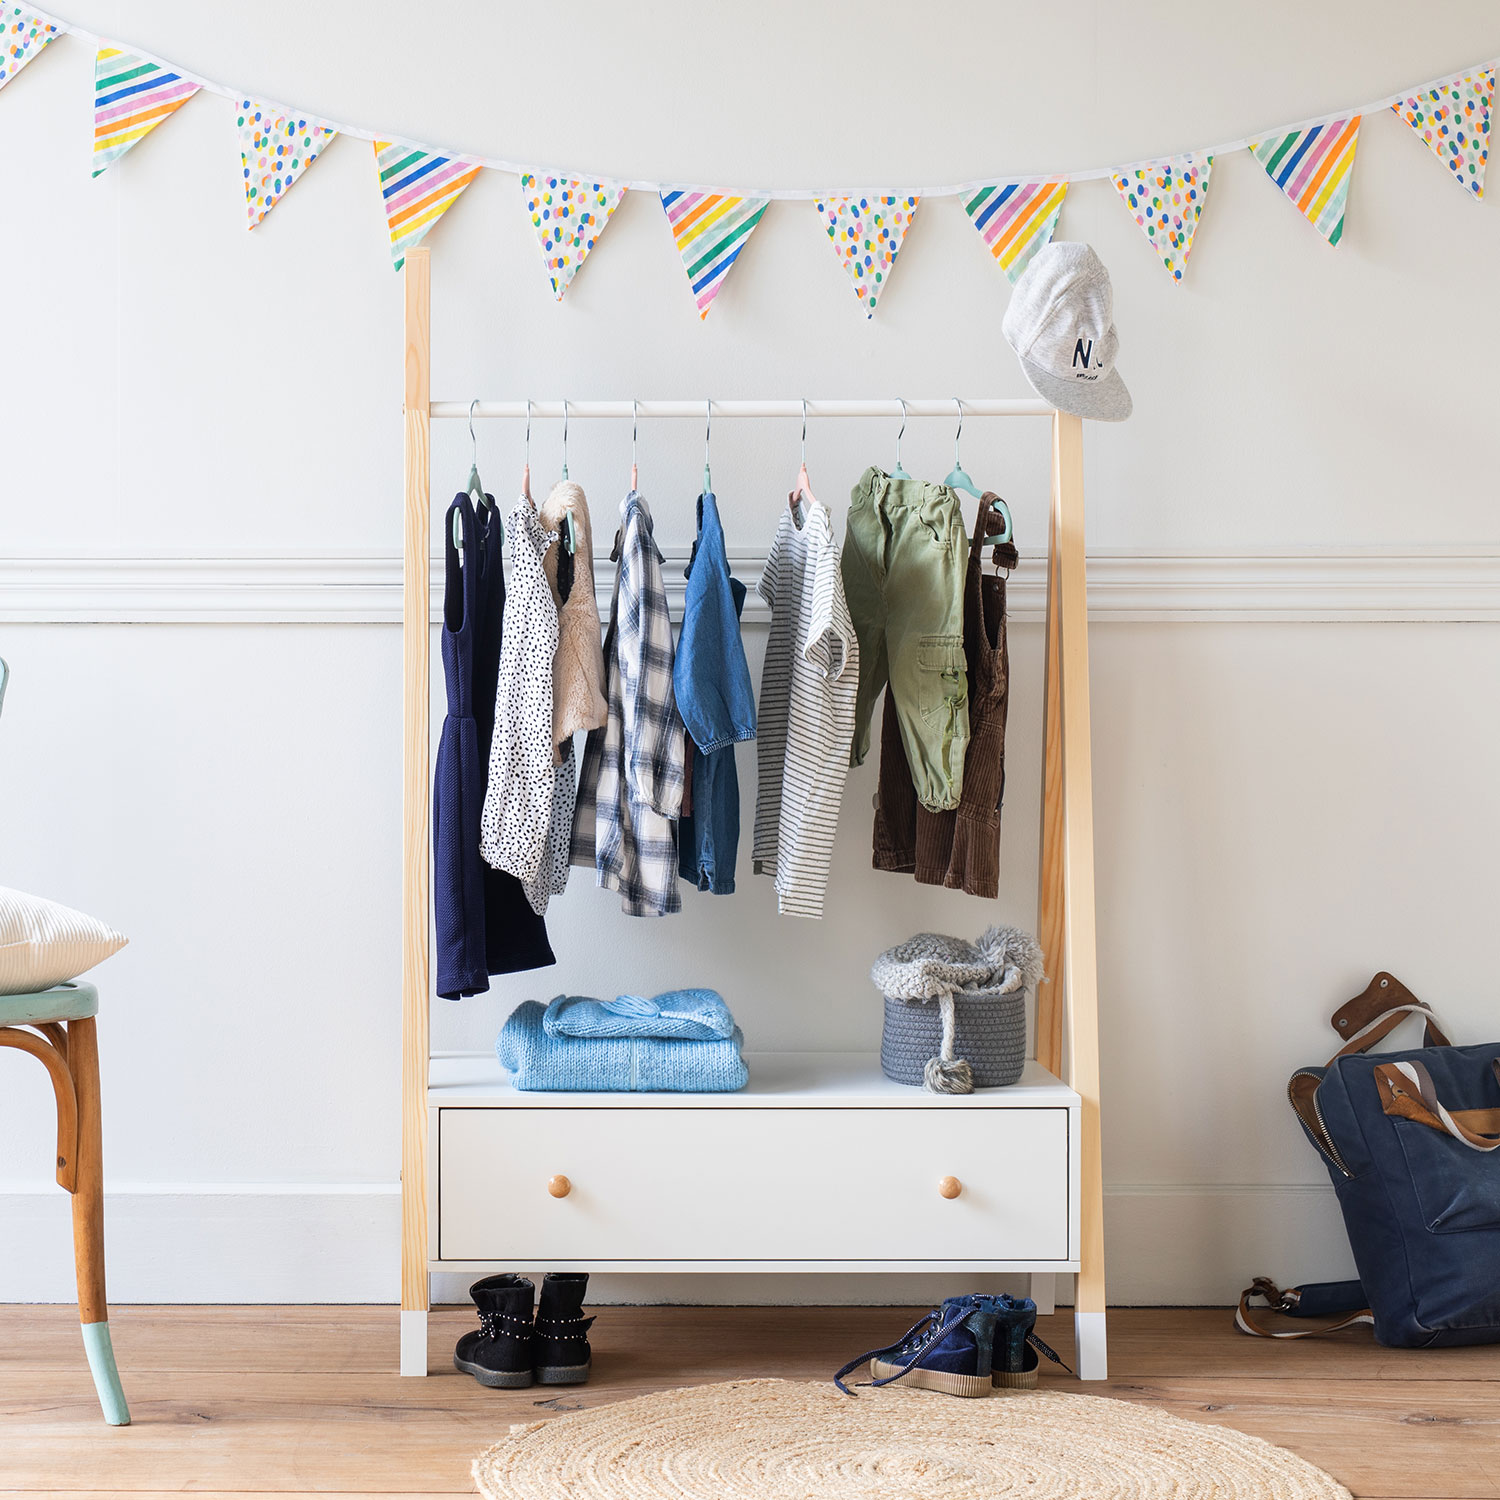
[[276, 150], [568, 215], [1015, 219], [1312, 168], [1166, 200], [132, 96], [418, 188], [1454, 119], [22, 36], [710, 230], [867, 235]]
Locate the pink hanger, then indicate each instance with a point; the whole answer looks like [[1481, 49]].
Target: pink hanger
[[803, 487]]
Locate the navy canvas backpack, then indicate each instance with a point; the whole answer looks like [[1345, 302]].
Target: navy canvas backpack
[[1412, 1143]]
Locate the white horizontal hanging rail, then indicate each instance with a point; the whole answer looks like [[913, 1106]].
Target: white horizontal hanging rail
[[654, 410]]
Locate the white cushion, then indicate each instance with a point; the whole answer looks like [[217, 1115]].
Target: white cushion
[[43, 943]]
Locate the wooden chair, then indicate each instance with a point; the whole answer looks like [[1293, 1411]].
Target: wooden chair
[[56, 1027]]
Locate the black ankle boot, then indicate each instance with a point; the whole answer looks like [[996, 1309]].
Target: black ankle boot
[[561, 1349], [499, 1352]]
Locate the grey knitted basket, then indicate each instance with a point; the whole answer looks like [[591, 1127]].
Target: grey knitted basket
[[989, 1031]]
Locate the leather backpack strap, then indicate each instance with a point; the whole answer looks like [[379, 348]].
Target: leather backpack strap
[[1371, 1016], [1406, 1090], [1250, 1320]]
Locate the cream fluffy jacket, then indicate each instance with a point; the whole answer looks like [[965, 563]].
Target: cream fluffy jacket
[[578, 667]]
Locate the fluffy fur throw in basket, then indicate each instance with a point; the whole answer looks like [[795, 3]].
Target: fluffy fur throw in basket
[[932, 967]]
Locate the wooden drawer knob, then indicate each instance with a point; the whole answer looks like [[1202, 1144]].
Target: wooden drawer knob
[[559, 1186], [950, 1187]]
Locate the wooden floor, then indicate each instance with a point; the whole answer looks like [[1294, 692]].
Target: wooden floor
[[294, 1400]]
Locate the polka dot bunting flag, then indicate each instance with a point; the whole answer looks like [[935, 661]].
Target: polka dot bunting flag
[[1454, 120], [276, 150], [22, 36], [568, 215], [866, 235], [1166, 199]]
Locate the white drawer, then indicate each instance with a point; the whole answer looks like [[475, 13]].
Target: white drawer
[[724, 1184]]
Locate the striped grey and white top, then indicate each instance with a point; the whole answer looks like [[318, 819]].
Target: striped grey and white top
[[807, 690]]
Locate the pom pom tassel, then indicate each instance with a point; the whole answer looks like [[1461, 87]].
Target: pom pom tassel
[[948, 1074]]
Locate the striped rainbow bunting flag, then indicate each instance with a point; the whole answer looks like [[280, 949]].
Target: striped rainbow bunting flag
[[710, 230], [132, 96], [418, 187], [1454, 120], [1312, 167], [22, 37], [1015, 219]]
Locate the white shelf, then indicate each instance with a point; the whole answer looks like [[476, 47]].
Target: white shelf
[[778, 1080]]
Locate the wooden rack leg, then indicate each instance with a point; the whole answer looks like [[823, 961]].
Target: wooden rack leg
[[1080, 958], [416, 821], [1049, 902]]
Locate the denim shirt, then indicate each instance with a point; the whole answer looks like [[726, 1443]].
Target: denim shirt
[[711, 680]]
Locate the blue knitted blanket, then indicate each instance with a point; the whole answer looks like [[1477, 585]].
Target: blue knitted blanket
[[539, 1063], [692, 1015]]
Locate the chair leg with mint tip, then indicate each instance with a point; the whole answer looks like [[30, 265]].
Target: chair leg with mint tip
[[56, 1027]]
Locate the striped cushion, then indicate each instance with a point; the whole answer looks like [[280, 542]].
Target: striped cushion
[[42, 943]]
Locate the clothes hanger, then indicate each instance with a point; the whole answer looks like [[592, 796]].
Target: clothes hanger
[[958, 480], [898, 472], [708, 425], [474, 488], [635, 421], [526, 471], [569, 540], [803, 487]]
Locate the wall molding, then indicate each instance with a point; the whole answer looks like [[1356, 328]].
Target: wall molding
[[1178, 1244], [1318, 584]]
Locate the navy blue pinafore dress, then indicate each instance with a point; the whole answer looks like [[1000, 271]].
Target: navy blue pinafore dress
[[484, 923]]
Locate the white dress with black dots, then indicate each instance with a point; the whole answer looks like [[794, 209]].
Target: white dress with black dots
[[515, 831]]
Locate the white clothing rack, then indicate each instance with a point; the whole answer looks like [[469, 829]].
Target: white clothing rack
[[655, 410], [1067, 1038]]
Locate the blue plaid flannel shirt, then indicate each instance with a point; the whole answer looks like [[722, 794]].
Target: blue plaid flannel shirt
[[630, 789]]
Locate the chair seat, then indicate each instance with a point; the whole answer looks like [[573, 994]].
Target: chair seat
[[63, 1002]]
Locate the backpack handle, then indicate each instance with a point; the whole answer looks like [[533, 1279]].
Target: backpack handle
[[1406, 1089], [1378, 1010]]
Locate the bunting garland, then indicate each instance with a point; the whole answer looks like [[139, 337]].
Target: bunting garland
[[1312, 167], [418, 188], [710, 230], [1312, 163], [568, 215], [132, 96], [1454, 120], [867, 235], [22, 36], [1015, 219], [1166, 200], [276, 150]]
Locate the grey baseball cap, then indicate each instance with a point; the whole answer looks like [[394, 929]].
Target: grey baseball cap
[[1061, 322]]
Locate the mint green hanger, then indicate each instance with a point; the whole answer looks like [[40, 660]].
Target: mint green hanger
[[474, 488], [958, 480], [898, 472]]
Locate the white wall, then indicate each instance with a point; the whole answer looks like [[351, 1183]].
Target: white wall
[[203, 425]]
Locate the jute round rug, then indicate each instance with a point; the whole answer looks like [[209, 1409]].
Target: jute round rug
[[784, 1440]]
